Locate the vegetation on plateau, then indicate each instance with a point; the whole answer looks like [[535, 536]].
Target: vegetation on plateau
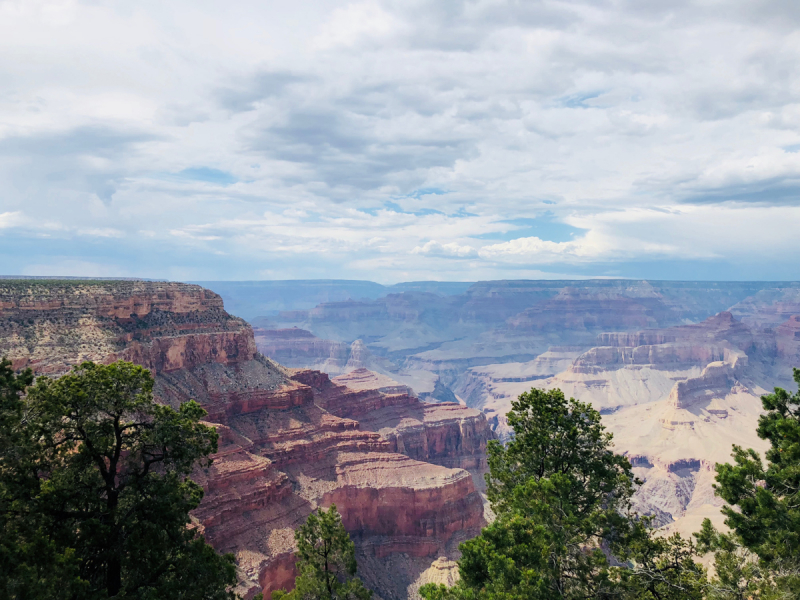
[[95, 491]]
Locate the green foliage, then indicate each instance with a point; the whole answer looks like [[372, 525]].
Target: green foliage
[[738, 574], [562, 499], [764, 503], [557, 437], [31, 564], [326, 561], [659, 568], [102, 485]]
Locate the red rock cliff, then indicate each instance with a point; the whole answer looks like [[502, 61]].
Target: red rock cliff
[[446, 434], [164, 326], [282, 451]]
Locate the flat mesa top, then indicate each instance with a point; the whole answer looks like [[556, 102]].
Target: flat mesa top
[[364, 379]]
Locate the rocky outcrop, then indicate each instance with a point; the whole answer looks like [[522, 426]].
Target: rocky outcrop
[[721, 328], [582, 311], [715, 380], [52, 325], [288, 443], [662, 356], [446, 434], [770, 306], [787, 338], [296, 347]]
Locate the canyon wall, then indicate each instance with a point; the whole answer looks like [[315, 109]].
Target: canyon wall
[[446, 434], [289, 441], [52, 325], [675, 368]]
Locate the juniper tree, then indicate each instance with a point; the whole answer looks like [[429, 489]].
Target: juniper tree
[[564, 519], [108, 488], [763, 509], [326, 561]]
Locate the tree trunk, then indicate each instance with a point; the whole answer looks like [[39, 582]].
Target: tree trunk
[[114, 574]]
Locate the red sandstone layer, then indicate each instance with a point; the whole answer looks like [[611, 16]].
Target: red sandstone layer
[[51, 326], [447, 434], [282, 453]]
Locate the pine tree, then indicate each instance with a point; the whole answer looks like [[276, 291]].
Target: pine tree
[[564, 519], [102, 485], [763, 509], [326, 561]]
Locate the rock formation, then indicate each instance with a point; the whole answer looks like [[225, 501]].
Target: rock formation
[[296, 347], [446, 434], [675, 368], [289, 441], [50, 326]]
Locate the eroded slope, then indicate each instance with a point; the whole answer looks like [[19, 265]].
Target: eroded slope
[[282, 453]]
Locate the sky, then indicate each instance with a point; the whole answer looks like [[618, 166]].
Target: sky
[[400, 140]]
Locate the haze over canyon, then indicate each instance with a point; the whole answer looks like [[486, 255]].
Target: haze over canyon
[[382, 400], [676, 368]]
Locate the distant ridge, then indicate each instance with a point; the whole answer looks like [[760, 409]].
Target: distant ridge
[[268, 298], [78, 278], [250, 299]]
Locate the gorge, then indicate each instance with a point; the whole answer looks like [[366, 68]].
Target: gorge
[[290, 440], [384, 405], [676, 368]]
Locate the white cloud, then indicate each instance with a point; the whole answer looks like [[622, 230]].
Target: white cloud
[[382, 139], [452, 249], [353, 23], [11, 219], [103, 232]]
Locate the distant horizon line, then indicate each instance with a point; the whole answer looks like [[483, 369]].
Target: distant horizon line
[[414, 281]]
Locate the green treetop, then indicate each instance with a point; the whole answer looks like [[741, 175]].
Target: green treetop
[[326, 561], [764, 507], [111, 493], [562, 499]]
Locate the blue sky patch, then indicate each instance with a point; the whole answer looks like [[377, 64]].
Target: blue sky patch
[[208, 175], [395, 207], [544, 227], [578, 100], [431, 191]]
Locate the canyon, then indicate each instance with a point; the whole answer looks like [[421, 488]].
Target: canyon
[[675, 368], [406, 476], [382, 399]]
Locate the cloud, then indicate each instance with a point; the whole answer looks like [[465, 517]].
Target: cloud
[[245, 94], [387, 140], [356, 148], [11, 219], [450, 250], [535, 249], [86, 158]]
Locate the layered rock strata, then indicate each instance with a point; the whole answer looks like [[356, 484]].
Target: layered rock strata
[[446, 434], [52, 325], [677, 390], [676, 399], [296, 347], [282, 452]]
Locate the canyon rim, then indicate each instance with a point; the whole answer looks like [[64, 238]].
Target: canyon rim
[[384, 406]]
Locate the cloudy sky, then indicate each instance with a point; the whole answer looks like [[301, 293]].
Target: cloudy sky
[[398, 140]]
